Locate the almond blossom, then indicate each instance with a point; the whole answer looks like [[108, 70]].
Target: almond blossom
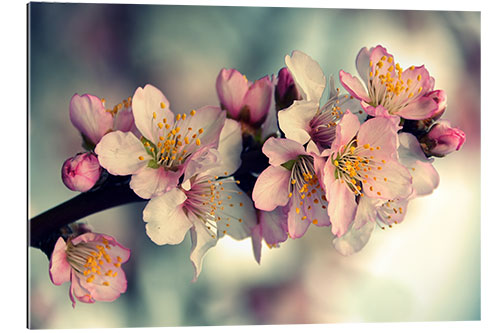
[[292, 181], [208, 203], [373, 212], [92, 263], [362, 161], [272, 228], [158, 159], [443, 139], [305, 121], [404, 93]]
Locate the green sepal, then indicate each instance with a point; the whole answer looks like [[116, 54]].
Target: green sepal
[[153, 165], [289, 165]]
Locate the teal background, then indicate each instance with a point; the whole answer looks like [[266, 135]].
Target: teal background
[[426, 269]]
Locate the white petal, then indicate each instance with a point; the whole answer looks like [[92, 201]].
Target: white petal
[[294, 120], [121, 153], [236, 212], [201, 241], [230, 147], [166, 221], [307, 74], [148, 111], [353, 240], [271, 188], [148, 182]]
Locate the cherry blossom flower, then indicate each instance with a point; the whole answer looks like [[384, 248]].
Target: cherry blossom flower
[[293, 181], [81, 172], [209, 203], [305, 121], [443, 139], [89, 115], [362, 161], [272, 227], [373, 212], [168, 143], [92, 263], [247, 102], [403, 93]]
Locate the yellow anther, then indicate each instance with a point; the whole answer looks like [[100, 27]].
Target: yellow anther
[[389, 60], [384, 58], [293, 181], [412, 68], [193, 112], [297, 210], [186, 140], [105, 283], [178, 117], [160, 125], [303, 218], [315, 221], [290, 194], [141, 158], [366, 146], [198, 142], [162, 105], [419, 77], [184, 116], [154, 115]]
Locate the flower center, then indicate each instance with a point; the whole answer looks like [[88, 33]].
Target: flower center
[[357, 168], [176, 141], [305, 189], [388, 88], [211, 199], [93, 261]]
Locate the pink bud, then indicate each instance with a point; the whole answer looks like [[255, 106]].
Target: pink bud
[[80, 173], [248, 102], [445, 139], [439, 96], [286, 92]]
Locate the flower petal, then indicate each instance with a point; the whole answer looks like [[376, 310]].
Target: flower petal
[[238, 216], [354, 86], [150, 107], [294, 121], [307, 74], [281, 151], [121, 153], [422, 108], [258, 99], [166, 221], [354, 239], [274, 227], [297, 226], [346, 130], [379, 132], [88, 115], [148, 182], [257, 242], [231, 88], [341, 207], [363, 64], [201, 241], [230, 148], [59, 268], [271, 188]]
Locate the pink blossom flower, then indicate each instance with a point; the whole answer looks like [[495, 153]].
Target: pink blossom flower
[[208, 203], [248, 102], [168, 143], [373, 212], [402, 93], [81, 172], [92, 264], [362, 161], [305, 121], [443, 139], [89, 115], [272, 227], [292, 181]]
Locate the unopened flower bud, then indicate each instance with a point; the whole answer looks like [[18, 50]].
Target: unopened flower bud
[[81, 172], [442, 139], [286, 92]]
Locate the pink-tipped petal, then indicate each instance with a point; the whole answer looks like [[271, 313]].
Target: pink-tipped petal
[[281, 151], [88, 115], [346, 130], [231, 88], [422, 108], [341, 207], [271, 188], [258, 99], [353, 86], [59, 268]]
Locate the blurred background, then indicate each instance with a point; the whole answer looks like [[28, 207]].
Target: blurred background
[[426, 269]]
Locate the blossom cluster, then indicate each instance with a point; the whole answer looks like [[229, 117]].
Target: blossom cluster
[[349, 163]]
